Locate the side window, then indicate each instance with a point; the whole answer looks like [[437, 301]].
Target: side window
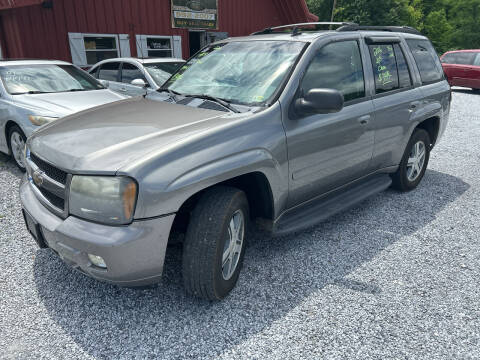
[[384, 68], [476, 62], [130, 72], [427, 60], [450, 58], [465, 58], [404, 78], [337, 66], [109, 71], [94, 72]]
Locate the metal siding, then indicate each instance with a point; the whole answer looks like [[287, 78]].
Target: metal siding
[[44, 32]]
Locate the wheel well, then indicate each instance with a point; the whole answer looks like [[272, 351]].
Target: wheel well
[[256, 188], [432, 126], [8, 126]]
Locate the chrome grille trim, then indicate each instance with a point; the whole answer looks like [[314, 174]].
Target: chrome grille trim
[[50, 187]]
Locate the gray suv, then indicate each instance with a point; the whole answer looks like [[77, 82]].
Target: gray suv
[[280, 129]]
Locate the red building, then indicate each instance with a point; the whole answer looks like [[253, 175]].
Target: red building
[[85, 31]]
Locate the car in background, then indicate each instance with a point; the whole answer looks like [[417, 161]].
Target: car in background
[[133, 76], [462, 68], [36, 92]]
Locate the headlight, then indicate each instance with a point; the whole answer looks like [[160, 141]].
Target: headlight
[[40, 120], [104, 199]]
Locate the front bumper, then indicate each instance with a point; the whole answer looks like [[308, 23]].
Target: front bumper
[[134, 254]]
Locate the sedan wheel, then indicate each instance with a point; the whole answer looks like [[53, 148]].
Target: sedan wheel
[[17, 146]]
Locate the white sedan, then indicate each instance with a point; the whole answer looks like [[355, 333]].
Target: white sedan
[[133, 76]]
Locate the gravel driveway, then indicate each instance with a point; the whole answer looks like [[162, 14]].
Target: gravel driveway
[[396, 277]]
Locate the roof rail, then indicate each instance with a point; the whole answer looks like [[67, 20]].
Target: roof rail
[[295, 27], [400, 29]]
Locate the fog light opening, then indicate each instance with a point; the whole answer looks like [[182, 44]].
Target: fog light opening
[[97, 261]]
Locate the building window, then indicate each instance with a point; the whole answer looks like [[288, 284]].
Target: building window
[[89, 49], [100, 48], [159, 47], [154, 46]]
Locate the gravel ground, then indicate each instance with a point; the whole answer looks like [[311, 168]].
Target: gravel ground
[[396, 277]]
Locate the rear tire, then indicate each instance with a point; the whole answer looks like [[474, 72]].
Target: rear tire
[[16, 144], [214, 244], [414, 162]]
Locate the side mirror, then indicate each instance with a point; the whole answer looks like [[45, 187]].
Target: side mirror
[[105, 83], [320, 101], [139, 83]]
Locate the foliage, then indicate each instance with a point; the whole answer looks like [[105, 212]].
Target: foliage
[[450, 24]]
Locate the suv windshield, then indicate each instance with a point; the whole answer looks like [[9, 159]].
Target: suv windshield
[[239, 72], [49, 78], [161, 72]]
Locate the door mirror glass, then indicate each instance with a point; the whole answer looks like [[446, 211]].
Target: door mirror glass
[[105, 83], [320, 101], [139, 83]]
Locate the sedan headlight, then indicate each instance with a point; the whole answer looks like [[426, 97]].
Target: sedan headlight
[[40, 120], [104, 199]]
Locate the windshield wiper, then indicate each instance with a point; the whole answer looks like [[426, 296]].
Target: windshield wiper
[[222, 102], [72, 90], [32, 92]]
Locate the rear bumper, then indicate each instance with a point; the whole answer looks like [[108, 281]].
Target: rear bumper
[[134, 254]]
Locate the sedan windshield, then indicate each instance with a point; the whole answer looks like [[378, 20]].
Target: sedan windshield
[[161, 72], [239, 72], [49, 78]]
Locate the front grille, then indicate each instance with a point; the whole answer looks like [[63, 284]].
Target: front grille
[[51, 171], [52, 198]]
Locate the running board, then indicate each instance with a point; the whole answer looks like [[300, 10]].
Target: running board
[[318, 210]]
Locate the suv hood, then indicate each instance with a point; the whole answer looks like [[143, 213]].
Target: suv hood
[[66, 103], [103, 139]]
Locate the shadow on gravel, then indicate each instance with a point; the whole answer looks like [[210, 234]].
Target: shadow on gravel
[[110, 322], [7, 164]]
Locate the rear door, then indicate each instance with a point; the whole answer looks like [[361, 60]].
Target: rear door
[[395, 98], [461, 70], [473, 72], [110, 71], [132, 72]]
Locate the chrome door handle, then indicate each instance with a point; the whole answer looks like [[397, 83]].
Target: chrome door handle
[[364, 119], [123, 89], [414, 105]]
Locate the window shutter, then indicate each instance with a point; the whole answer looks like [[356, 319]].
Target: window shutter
[[177, 46], [77, 49], [141, 41], [124, 40]]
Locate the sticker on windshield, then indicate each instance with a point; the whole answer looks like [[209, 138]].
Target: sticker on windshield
[[258, 98]]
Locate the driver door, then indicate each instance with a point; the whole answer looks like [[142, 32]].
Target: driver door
[[326, 151]]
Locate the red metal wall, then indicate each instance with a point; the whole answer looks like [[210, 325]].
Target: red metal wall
[[37, 32]]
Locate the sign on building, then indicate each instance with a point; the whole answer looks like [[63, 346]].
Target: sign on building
[[195, 14]]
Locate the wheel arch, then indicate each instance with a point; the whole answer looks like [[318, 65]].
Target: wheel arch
[[432, 127], [8, 125], [257, 189]]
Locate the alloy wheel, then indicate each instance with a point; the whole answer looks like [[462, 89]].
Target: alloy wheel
[[17, 145], [416, 160], [233, 244]]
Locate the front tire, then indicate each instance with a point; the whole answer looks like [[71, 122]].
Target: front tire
[[214, 244], [414, 162], [16, 143]]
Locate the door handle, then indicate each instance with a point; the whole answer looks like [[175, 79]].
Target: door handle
[[414, 105], [123, 89], [364, 119]]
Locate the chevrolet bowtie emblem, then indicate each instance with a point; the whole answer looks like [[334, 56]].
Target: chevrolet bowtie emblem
[[38, 177]]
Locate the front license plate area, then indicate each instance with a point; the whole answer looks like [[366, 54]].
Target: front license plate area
[[34, 229]]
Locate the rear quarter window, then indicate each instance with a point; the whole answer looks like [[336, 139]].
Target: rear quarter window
[[427, 60]]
